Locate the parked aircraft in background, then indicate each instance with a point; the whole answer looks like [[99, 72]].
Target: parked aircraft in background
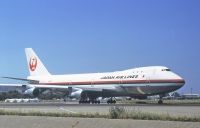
[[136, 83]]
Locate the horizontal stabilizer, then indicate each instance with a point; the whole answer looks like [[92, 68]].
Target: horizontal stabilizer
[[22, 79], [40, 86]]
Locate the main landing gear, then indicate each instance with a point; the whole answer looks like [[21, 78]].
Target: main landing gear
[[111, 101]]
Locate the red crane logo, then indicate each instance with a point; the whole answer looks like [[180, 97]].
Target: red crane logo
[[33, 63]]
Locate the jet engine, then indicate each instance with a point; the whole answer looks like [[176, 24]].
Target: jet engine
[[76, 93], [31, 91]]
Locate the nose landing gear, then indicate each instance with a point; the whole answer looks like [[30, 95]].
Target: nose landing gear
[[160, 101]]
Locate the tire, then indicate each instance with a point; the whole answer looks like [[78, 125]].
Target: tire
[[160, 102]]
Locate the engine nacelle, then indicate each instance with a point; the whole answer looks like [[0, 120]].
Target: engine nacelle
[[32, 91], [76, 94]]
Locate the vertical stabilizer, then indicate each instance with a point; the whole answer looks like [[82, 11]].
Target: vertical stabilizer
[[35, 66]]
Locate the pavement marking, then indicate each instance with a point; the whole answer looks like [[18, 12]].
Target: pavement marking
[[67, 110]]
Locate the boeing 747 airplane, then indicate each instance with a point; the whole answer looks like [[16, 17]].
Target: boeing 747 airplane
[[137, 82]]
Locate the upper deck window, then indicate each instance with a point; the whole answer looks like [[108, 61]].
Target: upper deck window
[[166, 69]]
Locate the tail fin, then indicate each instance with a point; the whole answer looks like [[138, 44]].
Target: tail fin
[[35, 66]]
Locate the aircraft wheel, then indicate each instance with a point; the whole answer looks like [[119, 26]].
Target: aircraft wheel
[[160, 102], [110, 101]]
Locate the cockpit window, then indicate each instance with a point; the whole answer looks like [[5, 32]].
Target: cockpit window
[[166, 69]]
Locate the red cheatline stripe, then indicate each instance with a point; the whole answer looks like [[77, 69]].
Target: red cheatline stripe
[[117, 82]]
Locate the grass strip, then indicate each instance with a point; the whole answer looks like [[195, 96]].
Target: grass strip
[[114, 113], [123, 113]]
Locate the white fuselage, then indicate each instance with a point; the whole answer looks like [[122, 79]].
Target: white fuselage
[[137, 81]]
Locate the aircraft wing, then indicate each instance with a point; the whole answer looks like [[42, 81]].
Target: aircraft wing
[[35, 85], [21, 79], [11, 85], [48, 86]]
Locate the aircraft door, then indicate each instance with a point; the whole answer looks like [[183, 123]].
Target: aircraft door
[[92, 83], [147, 80], [150, 76]]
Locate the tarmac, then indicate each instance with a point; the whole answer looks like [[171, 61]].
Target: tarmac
[[173, 110], [63, 122], [66, 122]]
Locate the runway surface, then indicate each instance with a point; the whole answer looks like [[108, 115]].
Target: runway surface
[[173, 110], [63, 122], [67, 122]]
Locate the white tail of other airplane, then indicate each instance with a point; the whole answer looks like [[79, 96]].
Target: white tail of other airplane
[[35, 65]]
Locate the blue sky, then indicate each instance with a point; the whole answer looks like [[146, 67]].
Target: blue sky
[[97, 36]]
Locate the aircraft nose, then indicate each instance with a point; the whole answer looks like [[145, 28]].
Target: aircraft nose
[[180, 81]]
